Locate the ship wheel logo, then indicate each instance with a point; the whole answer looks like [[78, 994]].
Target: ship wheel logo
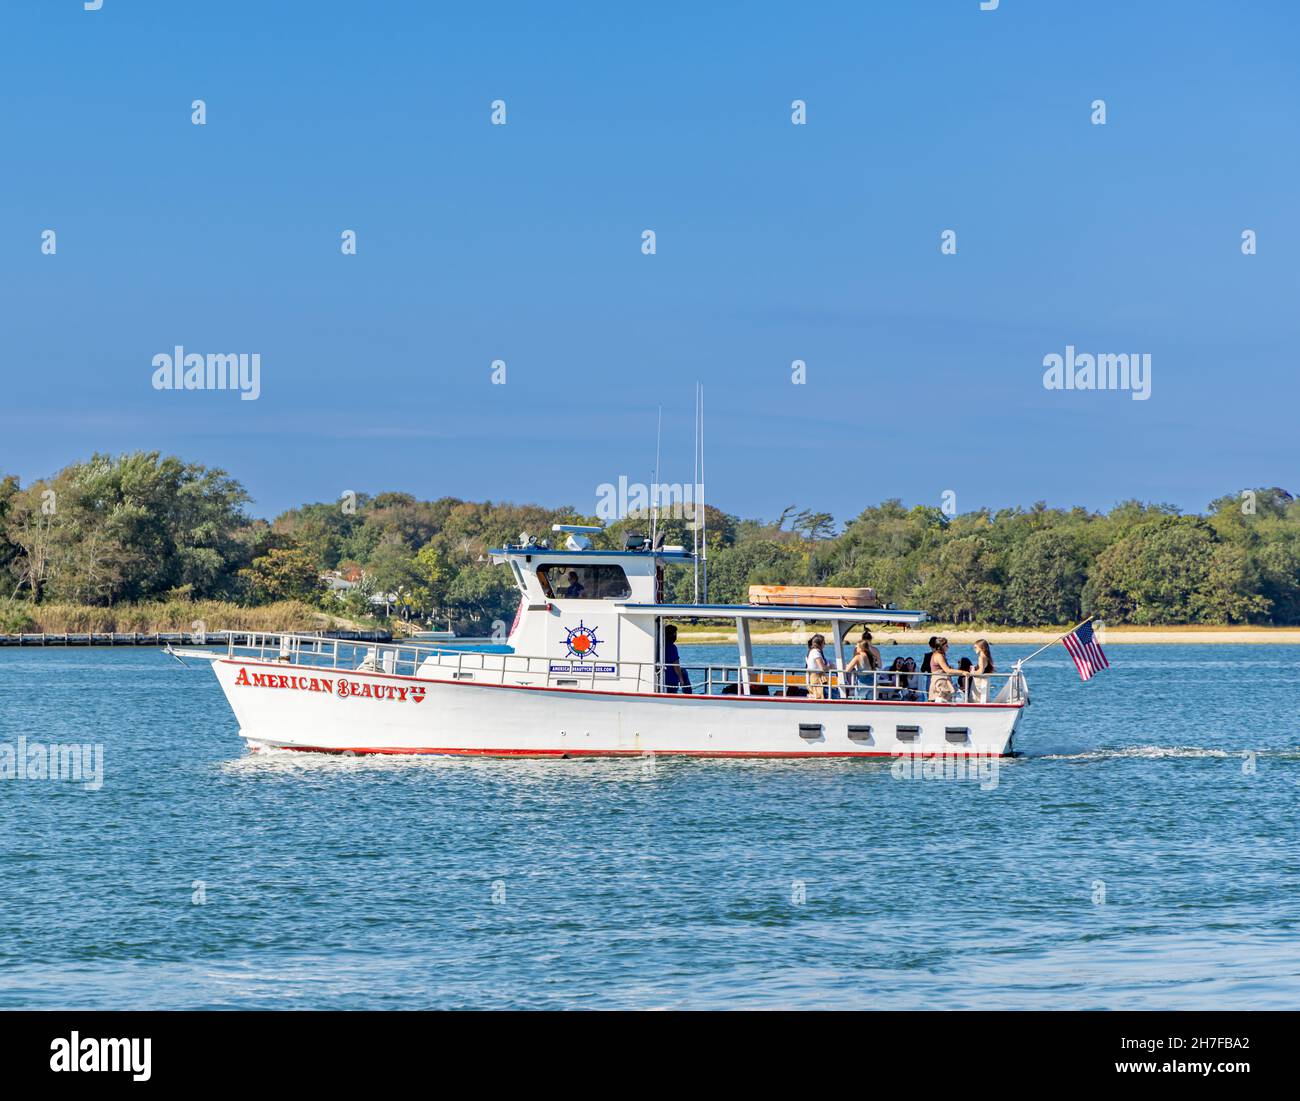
[[581, 641]]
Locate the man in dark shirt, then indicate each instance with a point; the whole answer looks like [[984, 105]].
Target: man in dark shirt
[[576, 588], [675, 677]]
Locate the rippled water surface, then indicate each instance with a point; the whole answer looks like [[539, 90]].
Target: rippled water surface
[[1142, 854]]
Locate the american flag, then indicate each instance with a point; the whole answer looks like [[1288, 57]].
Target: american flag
[[1088, 658]]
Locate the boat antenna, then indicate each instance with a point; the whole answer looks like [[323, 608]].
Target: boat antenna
[[654, 485], [695, 525], [704, 515]]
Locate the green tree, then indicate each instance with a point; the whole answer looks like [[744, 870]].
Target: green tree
[[128, 528], [433, 573], [480, 595], [760, 562], [283, 573], [1045, 579], [392, 568], [1172, 569], [814, 526], [962, 583], [9, 551], [1278, 565], [1230, 593], [30, 528]]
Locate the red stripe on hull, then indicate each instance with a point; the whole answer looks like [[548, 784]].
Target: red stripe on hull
[[563, 754]]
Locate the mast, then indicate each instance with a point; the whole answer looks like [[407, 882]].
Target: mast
[[654, 484], [695, 524], [704, 516]]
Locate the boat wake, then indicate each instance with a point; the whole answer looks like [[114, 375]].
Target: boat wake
[[1159, 752]]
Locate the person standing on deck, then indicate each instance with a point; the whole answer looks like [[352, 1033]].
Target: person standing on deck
[[923, 681], [816, 665], [875, 653], [675, 677], [979, 685], [941, 673], [862, 666]]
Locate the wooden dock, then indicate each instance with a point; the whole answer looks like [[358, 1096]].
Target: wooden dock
[[175, 638]]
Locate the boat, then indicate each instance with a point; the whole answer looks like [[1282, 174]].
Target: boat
[[581, 674]]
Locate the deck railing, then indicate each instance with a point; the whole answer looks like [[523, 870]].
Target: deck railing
[[439, 661]]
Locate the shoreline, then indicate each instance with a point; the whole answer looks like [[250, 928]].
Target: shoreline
[[1112, 636]]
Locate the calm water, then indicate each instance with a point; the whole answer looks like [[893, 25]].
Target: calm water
[[361, 883]]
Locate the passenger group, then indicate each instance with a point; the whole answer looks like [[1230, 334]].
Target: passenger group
[[937, 681]]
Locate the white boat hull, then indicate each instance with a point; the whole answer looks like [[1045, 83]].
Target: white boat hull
[[290, 706]]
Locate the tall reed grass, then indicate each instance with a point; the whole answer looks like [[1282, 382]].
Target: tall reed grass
[[19, 617]]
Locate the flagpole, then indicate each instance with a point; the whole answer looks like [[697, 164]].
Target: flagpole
[[1054, 641]]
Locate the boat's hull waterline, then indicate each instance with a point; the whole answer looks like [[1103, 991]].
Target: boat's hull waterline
[[289, 706]]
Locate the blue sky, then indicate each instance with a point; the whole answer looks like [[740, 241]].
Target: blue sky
[[775, 242]]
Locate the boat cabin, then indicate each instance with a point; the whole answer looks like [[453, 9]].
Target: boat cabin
[[593, 618]]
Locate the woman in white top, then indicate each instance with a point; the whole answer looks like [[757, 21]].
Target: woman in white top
[[815, 663], [979, 685]]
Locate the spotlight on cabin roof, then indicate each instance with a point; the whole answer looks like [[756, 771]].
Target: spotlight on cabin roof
[[577, 535], [634, 540]]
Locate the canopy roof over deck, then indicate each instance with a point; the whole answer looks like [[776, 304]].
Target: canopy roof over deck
[[817, 613]]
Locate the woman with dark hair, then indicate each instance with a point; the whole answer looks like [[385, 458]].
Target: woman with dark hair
[[963, 680], [889, 682], [862, 668], [979, 685], [895, 684], [816, 665], [909, 680], [941, 673], [875, 653], [923, 681]]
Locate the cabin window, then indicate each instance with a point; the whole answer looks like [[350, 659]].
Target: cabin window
[[584, 582]]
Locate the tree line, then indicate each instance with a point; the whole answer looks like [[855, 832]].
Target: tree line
[[142, 526]]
